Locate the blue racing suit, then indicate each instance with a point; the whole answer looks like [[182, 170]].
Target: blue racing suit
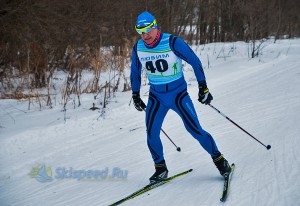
[[168, 90]]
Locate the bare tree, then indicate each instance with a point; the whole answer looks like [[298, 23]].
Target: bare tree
[[35, 35]]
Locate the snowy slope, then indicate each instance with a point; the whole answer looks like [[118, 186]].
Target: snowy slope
[[262, 95]]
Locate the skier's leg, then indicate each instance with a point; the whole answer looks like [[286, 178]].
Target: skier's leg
[[155, 114], [185, 108]]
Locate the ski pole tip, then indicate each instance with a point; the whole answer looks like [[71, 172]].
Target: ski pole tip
[[178, 149], [268, 147]]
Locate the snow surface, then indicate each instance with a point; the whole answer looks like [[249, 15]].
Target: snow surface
[[262, 95]]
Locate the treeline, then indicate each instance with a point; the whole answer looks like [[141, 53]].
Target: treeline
[[39, 36]]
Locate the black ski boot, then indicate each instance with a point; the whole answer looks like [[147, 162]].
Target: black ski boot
[[222, 165], [161, 172]]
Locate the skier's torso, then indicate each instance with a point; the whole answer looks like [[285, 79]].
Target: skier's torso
[[160, 63]]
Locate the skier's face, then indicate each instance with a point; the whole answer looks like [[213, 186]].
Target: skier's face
[[149, 37]]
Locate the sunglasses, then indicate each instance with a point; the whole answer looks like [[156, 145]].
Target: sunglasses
[[146, 29]]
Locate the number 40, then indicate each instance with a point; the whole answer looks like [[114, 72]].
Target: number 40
[[160, 64]]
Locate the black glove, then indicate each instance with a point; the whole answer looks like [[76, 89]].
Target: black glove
[[138, 102], [204, 96]]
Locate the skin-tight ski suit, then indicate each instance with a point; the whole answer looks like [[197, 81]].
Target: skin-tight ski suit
[[168, 90]]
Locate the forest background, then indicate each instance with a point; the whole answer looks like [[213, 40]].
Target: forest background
[[41, 37]]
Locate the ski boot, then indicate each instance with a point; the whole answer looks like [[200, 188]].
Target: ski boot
[[222, 165], [161, 172]]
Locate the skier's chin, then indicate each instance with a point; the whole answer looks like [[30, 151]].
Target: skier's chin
[[148, 41]]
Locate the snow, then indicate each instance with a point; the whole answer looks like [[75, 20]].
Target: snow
[[262, 95]]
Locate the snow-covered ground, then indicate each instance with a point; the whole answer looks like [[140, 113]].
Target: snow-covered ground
[[96, 160]]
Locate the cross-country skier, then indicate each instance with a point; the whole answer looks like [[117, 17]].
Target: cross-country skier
[[157, 53]]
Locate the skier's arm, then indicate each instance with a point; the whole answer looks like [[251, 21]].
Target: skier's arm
[[183, 50], [136, 71], [135, 78]]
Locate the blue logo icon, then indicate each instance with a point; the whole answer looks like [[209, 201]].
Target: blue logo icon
[[41, 173]]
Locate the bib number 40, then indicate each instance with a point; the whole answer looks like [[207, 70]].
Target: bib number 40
[[161, 65]]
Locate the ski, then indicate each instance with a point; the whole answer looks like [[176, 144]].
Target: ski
[[226, 184], [150, 187]]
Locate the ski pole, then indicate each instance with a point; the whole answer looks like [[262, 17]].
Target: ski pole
[[268, 146], [177, 148]]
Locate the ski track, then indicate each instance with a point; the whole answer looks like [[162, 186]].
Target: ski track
[[261, 95]]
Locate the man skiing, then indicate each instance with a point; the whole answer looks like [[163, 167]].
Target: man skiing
[[157, 53]]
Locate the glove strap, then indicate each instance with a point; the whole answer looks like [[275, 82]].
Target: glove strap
[[135, 95], [203, 87], [206, 91]]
